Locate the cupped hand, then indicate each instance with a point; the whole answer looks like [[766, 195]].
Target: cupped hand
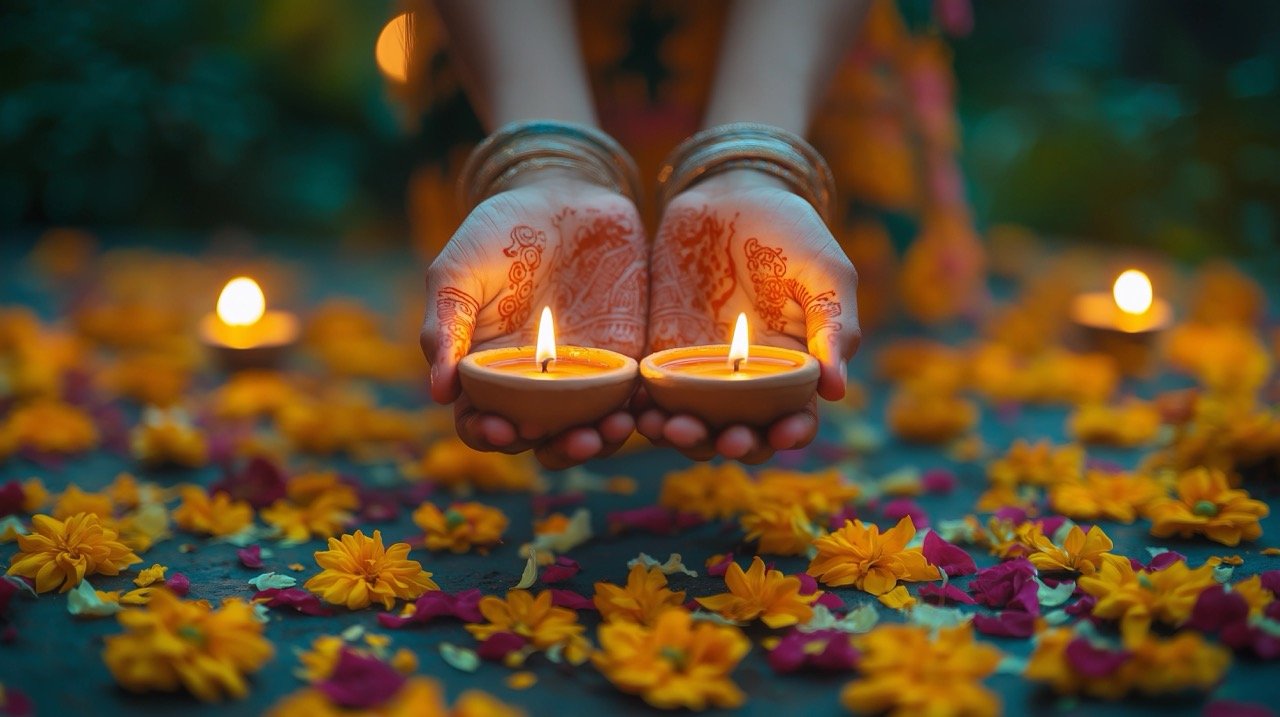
[[742, 242], [554, 240]]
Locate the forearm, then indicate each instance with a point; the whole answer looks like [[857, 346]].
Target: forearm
[[778, 58], [519, 60]]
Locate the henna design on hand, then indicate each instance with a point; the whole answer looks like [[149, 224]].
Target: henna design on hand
[[694, 278], [601, 279], [526, 247], [456, 312]]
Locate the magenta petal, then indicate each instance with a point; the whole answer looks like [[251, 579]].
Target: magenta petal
[[1050, 524], [1093, 662], [1231, 708], [898, 508], [12, 497], [1271, 581], [250, 557], [179, 583], [359, 681], [1012, 514], [947, 556], [1164, 560], [808, 584], [7, 590], [17, 704], [571, 600], [438, 603], [499, 645], [1010, 623], [938, 480], [651, 519], [559, 571], [296, 598], [938, 595], [998, 585], [830, 601], [720, 567], [1216, 608], [261, 483], [795, 651]]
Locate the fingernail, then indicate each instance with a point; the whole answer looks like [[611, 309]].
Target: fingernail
[[844, 369], [433, 375]]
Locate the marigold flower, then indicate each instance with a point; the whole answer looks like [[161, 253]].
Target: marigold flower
[[358, 570], [216, 515], [1080, 552], [710, 490], [168, 437], [462, 527], [73, 500], [1117, 496], [50, 426], [1039, 463], [1132, 423], [675, 663], [452, 464], [1205, 505], [417, 697], [905, 671], [1137, 597], [59, 554], [821, 494], [644, 598], [768, 595], [859, 555], [174, 644], [251, 394], [535, 620], [317, 505], [1151, 666], [921, 415], [778, 528]]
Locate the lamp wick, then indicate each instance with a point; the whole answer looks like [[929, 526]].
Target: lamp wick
[[736, 364], [545, 361]]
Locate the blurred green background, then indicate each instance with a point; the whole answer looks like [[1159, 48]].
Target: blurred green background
[[1139, 121]]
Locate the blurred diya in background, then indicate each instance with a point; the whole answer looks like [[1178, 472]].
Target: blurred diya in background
[[738, 383], [548, 386], [1124, 323], [242, 334]]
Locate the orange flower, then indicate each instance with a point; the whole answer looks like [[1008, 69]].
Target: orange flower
[[645, 597], [318, 504], [462, 527], [1136, 598], [779, 529], [1117, 496], [1153, 667], [60, 554], [251, 394], [1037, 464], [358, 570], [535, 619], [1207, 506], [73, 500], [1080, 552], [174, 644], [820, 494], [417, 697], [1132, 423], [450, 463], [710, 490], [218, 515], [50, 426], [859, 555], [922, 415], [905, 671], [768, 595], [676, 663], [168, 437]]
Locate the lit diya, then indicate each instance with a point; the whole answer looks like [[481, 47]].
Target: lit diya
[[242, 334], [1125, 322], [553, 387], [738, 383]]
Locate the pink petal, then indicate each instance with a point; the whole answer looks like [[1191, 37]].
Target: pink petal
[[571, 600], [12, 496], [463, 605], [1231, 708], [179, 583], [301, 600], [938, 480], [793, 652], [1093, 662], [499, 645], [947, 556], [261, 483], [358, 681], [250, 557], [651, 519], [719, 568], [938, 595], [1010, 623], [898, 508], [559, 571]]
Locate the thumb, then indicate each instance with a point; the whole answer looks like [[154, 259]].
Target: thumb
[[452, 310], [831, 324]]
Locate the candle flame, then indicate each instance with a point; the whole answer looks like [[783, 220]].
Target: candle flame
[[1132, 292], [546, 339], [241, 302], [738, 349], [394, 47]]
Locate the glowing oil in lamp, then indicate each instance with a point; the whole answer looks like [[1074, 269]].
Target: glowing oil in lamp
[[553, 387], [1124, 322], [242, 333], [735, 383]]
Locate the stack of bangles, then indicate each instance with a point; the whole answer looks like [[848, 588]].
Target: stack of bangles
[[597, 157]]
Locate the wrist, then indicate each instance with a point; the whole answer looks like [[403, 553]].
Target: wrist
[[738, 179]]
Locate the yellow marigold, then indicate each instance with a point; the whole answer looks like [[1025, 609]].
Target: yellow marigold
[[167, 437], [535, 619], [778, 528], [905, 671], [676, 663], [452, 464], [644, 598], [1039, 463], [1080, 552], [174, 644], [1116, 496], [1205, 505], [59, 554], [462, 527], [358, 570], [1153, 667], [126, 492], [73, 500], [1137, 597], [1004, 496], [920, 415], [1132, 423], [316, 505], [251, 394], [149, 377], [34, 495], [217, 515], [417, 697], [710, 490], [1224, 357], [51, 426], [768, 595], [821, 494], [859, 555]]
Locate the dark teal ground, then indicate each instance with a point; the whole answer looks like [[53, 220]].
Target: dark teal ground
[[55, 658]]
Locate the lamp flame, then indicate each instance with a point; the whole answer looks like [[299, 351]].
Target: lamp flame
[[394, 47], [738, 348], [1132, 292], [546, 351], [241, 302]]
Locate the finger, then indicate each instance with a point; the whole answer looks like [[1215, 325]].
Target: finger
[[736, 441], [617, 427], [684, 431], [830, 302], [796, 430], [447, 327], [758, 455], [570, 448], [651, 423]]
